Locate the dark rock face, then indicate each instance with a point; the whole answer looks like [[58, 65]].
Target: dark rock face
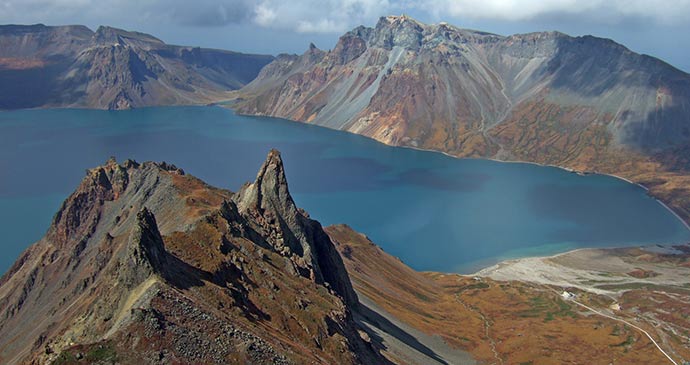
[[349, 47], [155, 266], [111, 68], [80, 213], [267, 204], [469, 93], [146, 250]]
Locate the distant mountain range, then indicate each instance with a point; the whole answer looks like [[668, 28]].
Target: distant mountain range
[[584, 103], [472, 93], [72, 66]]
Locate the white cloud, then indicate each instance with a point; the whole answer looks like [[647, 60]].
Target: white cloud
[[265, 16], [320, 26], [661, 11], [319, 16], [332, 16]]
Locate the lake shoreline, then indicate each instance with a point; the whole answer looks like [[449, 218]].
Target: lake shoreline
[[602, 271], [171, 123], [567, 169], [564, 168]]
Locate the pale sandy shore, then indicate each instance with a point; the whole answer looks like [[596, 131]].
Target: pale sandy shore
[[600, 271]]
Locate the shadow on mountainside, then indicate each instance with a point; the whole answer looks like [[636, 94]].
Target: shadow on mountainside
[[370, 317], [184, 276]]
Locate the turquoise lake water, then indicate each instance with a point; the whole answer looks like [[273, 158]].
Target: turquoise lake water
[[432, 211]]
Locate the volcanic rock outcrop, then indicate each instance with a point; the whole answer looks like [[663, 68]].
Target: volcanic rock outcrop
[[145, 264]]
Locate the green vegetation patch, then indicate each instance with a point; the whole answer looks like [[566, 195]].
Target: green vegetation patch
[[646, 286], [628, 341], [480, 285], [64, 358], [550, 309], [538, 305], [101, 353]]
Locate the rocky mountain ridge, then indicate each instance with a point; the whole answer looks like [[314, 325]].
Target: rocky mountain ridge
[[143, 263], [441, 87], [72, 66], [583, 103]]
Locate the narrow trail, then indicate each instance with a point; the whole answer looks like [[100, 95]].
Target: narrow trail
[[631, 325], [487, 327], [624, 322]]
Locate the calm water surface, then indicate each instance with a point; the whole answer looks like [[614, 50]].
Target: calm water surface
[[432, 211]]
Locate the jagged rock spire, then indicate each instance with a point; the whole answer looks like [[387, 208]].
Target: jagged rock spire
[[147, 241], [268, 205], [270, 189], [146, 254]]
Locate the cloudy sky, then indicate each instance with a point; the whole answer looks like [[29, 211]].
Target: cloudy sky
[[657, 27]]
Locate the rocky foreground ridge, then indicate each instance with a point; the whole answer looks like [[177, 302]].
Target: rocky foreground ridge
[[145, 264], [73, 66]]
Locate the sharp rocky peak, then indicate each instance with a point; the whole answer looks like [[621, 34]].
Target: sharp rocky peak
[[268, 208], [137, 259], [269, 192], [146, 251]]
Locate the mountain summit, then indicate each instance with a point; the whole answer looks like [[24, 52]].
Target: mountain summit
[[469, 93]]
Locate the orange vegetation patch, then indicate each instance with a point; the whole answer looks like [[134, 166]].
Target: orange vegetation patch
[[504, 322], [20, 63], [199, 196], [643, 274]]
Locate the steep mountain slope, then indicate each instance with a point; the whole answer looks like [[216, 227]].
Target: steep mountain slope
[[522, 318], [585, 103], [42, 66], [435, 86], [144, 264]]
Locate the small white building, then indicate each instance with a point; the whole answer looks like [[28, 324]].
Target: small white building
[[568, 295]]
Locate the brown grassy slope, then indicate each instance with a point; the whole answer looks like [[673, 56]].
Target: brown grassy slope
[[518, 323], [571, 137]]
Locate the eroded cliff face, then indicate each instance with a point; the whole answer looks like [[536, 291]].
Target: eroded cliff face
[[269, 210], [146, 264], [585, 103], [469, 93], [110, 68]]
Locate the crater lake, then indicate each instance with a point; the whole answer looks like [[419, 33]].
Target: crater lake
[[432, 211]]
